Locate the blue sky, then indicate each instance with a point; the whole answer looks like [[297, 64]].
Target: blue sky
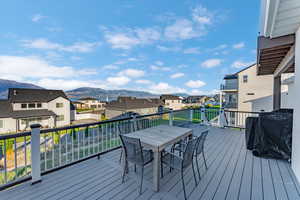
[[158, 46]]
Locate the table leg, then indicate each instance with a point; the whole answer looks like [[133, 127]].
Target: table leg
[[156, 170]]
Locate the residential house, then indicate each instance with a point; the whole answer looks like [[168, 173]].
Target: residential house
[[195, 100], [91, 103], [278, 53], [246, 91], [78, 104], [132, 104], [172, 102], [50, 108]]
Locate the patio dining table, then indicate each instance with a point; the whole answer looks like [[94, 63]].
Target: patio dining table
[[157, 139]]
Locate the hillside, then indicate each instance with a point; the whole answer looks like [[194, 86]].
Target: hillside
[[5, 84]]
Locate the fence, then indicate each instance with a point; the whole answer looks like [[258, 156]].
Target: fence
[[60, 147]]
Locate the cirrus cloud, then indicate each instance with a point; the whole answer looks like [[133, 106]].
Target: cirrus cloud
[[210, 63], [177, 75], [195, 83], [134, 73]]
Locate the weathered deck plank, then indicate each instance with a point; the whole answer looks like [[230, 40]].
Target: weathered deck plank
[[233, 173]]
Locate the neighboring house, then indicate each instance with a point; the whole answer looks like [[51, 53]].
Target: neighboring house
[[278, 53], [195, 100], [131, 104], [91, 103], [242, 90], [78, 105], [172, 102], [50, 108]]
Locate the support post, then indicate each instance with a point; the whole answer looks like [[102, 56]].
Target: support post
[[171, 114], [35, 154], [191, 115], [203, 116], [277, 93], [222, 119], [134, 123]]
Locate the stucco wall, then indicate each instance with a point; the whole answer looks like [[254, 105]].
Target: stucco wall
[[261, 86], [174, 104], [296, 124]]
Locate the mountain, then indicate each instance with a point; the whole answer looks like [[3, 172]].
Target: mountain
[[104, 94], [5, 84]]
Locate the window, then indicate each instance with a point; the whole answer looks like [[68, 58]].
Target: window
[[1, 124], [23, 105], [245, 78], [31, 105], [23, 122], [250, 94], [38, 105], [59, 105], [60, 118]]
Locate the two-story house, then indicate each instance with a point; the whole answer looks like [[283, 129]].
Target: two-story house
[[91, 103], [172, 102], [50, 108], [125, 105], [246, 91]]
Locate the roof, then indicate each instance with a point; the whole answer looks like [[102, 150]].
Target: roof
[[169, 97], [230, 76], [87, 98], [5, 109], [77, 102], [32, 113], [133, 103], [19, 95], [253, 65]]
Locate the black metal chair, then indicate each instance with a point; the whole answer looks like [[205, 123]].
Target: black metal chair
[[135, 154], [199, 149], [181, 163]]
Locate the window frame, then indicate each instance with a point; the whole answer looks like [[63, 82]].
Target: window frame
[[39, 105], [24, 104], [1, 123], [31, 105], [245, 78], [58, 105], [60, 118]]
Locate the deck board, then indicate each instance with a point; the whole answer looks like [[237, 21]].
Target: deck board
[[233, 173]]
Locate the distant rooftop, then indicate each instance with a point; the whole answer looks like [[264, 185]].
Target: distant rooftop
[[169, 97], [134, 103]]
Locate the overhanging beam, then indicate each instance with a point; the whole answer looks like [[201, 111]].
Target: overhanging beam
[[287, 62]]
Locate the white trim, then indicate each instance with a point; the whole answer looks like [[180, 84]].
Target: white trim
[[274, 17]]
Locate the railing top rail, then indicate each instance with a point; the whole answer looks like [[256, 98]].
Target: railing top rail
[[237, 111], [15, 135]]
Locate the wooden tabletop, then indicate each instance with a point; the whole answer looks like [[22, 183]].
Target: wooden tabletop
[[158, 137]]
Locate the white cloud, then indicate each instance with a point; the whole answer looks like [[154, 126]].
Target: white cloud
[[110, 67], [134, 73], [162, 87], [160, 68], [17, 67], [177, 75], [159, 63], [195, 84], [37, 17], [210, 63], [43, 43], [183, 29], [117, 80], [202, 15], [66, 84], [128, 38], [191, 51], [239, 45], [143, 81], [241, 64], [168, 49]]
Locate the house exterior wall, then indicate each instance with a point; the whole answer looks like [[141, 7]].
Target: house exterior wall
[[17, 106], [174, 104], [259, 86], [45, 122], [93, 104], [9, 125], [296, 117], [65, 110]]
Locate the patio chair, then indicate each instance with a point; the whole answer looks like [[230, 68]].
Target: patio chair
[[135, 154], [199, 149], [181, 163]]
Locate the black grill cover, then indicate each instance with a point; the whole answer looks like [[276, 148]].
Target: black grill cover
[[273, 137], [251, 129]]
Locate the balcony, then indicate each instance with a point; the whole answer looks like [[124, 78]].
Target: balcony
[[231, 105], [233, 172], [229, 87]]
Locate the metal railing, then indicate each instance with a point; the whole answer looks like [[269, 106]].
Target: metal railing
[[29, 155], [56, 148]]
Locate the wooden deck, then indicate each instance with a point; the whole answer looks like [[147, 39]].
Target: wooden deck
[[233, 173]]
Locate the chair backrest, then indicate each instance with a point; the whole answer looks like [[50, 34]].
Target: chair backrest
[[200, 144], [189, 152], [133, 149]]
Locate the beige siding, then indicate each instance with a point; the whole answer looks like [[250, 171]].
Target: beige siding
[[174, 104], [9, 125], [65, 110], [260, 86]]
